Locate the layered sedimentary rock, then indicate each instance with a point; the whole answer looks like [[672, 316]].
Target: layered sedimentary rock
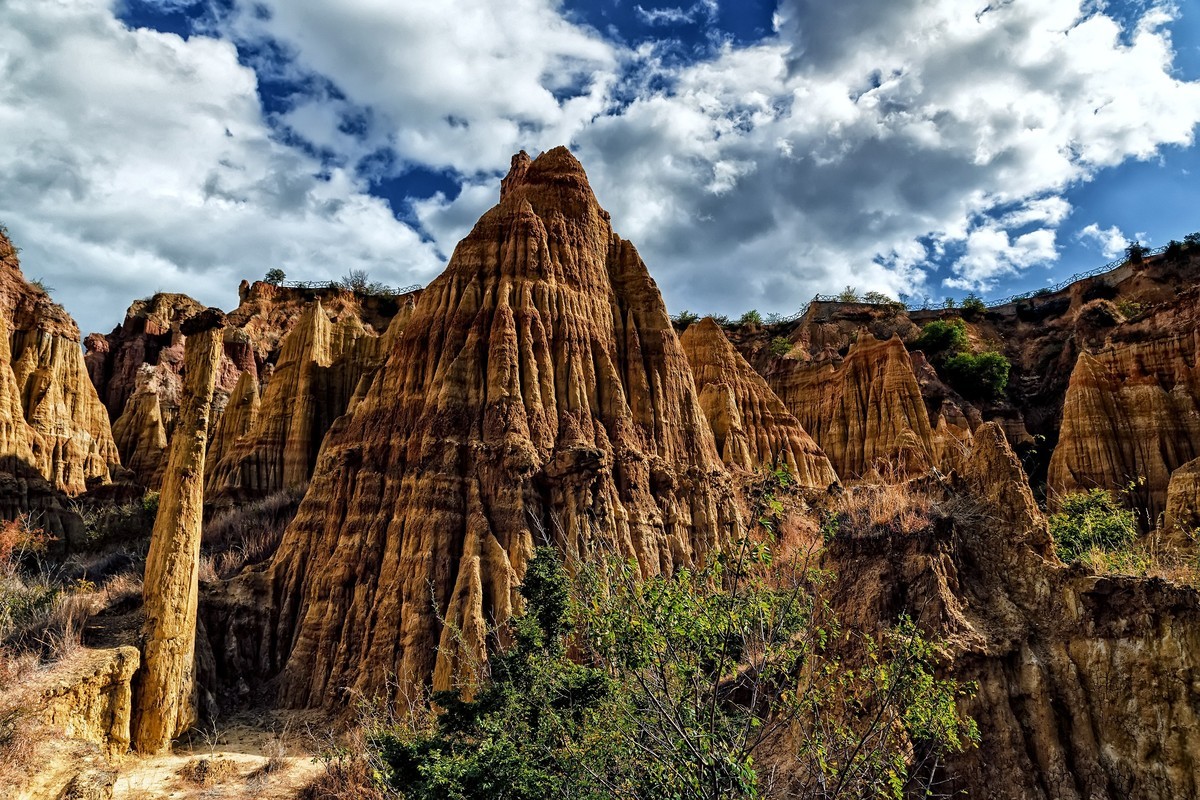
[[751, 426], [163, 695], [149, 336], [1182, 515], [143, 359], [1131, 417], [537, 393], [320, 365], [142, 432], [237, 420], [1083, 687], [865, 410], [54, 435]]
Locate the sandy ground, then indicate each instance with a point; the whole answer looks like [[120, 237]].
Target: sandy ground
[[268, 757]]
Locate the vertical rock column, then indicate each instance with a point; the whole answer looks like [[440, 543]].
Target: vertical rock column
[[163, 706]]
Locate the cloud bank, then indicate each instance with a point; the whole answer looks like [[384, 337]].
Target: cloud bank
[[902, 146]]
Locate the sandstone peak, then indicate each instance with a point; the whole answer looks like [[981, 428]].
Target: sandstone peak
[[751, 426], [537, 393]]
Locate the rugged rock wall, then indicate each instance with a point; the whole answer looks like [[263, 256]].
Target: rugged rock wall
[[750, 424], [319, 368], [54, 434], [1131, 416], [139, 367], [1182, 516], [538, 392], [1082, 681], [865, 410]]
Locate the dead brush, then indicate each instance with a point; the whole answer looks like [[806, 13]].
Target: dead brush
[[248, 534], [881, 510], [207, 771]]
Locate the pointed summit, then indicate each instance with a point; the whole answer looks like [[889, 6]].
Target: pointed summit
[[537, 394], [751, 425]]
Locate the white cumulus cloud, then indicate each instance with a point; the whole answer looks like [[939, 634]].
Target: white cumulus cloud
[[134, 161]]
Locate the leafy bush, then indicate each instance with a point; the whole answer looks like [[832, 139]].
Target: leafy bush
[[751, 317], [942, 337], [1174, 251], [978, 376], [973, 305], [1192, 240], [359, 282], [685, 318], [848, 295], [1092, 520], [1135, 252], [781, 346], [678, 687], [949, 303], [275, 276]]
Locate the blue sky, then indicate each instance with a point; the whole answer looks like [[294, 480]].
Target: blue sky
[[755, 152]]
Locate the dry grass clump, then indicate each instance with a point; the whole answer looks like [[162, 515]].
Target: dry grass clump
[[206, 771], [879, 510], [247, 534], [346, 777]]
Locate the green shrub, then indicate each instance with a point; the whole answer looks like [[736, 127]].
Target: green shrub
[[973, 305], [977, 376], [942, 337], [1092, 520], [275, 276], [848, 295], [781, 346], [616, 686], [751, 317], [685, 318]]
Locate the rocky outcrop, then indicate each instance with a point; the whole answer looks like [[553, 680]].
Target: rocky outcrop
[[149, 336], [238, 419], [1182, 516], [320, 365], [90, 697], [141, 432], [54, 434], [163, 702], [750, 424], [1131, 417], [538, 393], [864, 410], [143, 359], [1081, 688]]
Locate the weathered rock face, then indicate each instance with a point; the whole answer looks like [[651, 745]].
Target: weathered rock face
[[750, 424], [238, 419], [865, 411], [538, 392], [90, 698], [1131, 416], [1183, 501], [1082, 687], [54, 434], [143, 359], [320, 365], [163, 696], [149, 336]]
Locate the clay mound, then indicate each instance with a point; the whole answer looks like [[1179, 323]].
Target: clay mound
[[865, 411], [538, 392], [750, 424]]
